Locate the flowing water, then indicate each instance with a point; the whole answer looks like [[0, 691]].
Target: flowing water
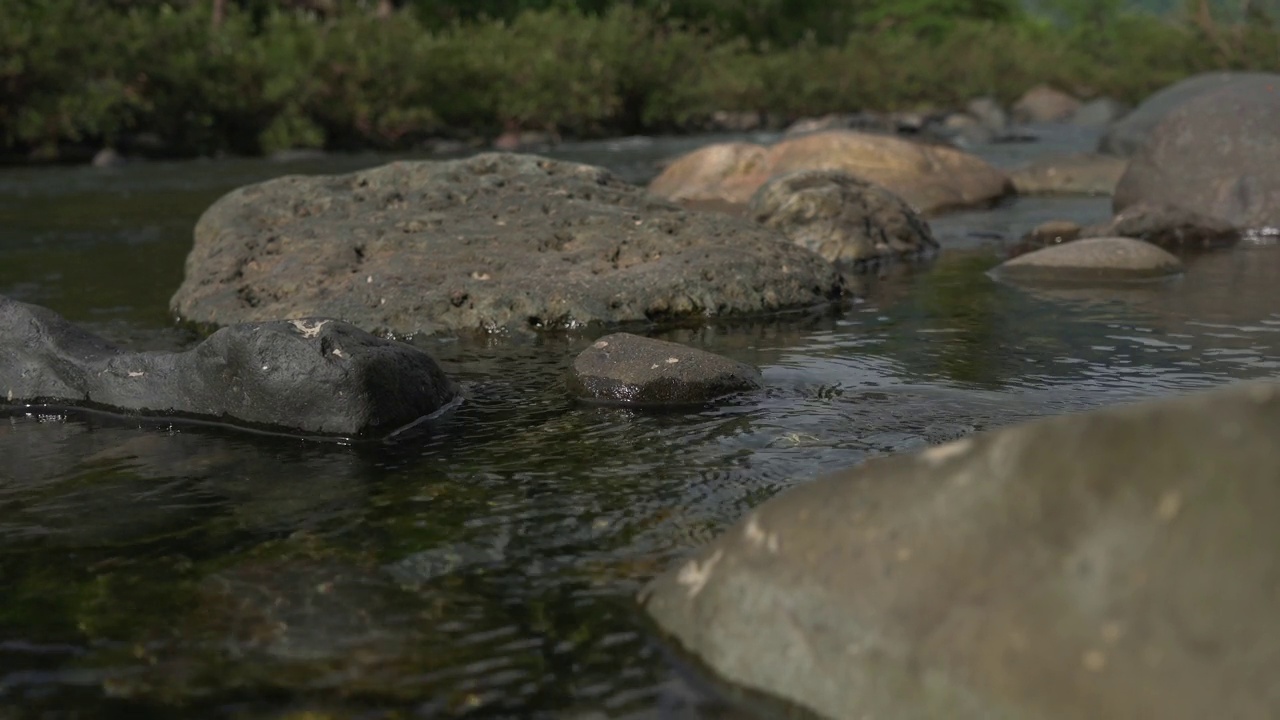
[[487, 568]]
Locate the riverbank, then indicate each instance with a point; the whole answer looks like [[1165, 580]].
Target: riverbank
[[167, 83]]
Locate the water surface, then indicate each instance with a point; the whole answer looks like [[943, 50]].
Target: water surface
[[487, 567]]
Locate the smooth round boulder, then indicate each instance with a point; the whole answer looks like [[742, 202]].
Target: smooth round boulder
[[492, 243], [1075, 174], [930, 177], [1092, 259], [1217, 154], [723, 172], [1167, 226], [1120, 563], [1126, 135], [626, 369], [841, 217], [1044, 104], [311, 376]]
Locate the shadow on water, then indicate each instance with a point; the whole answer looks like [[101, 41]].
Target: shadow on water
[[486, 566]]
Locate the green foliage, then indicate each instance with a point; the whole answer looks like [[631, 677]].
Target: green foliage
[[279, 75]]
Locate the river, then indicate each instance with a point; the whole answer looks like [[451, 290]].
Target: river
[[488, 568]]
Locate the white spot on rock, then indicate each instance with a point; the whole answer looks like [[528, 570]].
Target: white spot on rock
[[308, 330], [758, 537], [136, 373], [338, 353], [601, 344], [369, 280], [10, 394], [266, 367], [672, 360], [939, 454], [695, 576]]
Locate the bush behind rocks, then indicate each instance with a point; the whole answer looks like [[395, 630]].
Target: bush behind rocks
[[274, 79]]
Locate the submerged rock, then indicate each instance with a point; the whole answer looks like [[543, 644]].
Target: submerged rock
[[929, 177], [1092, 259], [842, 218], [632, 370], [313, 376], [1078, 174], [1121, 563], [487, 243], [1217, 154], [1125, 136]]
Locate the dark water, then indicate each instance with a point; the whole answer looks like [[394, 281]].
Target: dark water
[[487, 568]]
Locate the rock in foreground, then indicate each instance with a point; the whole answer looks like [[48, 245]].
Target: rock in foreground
[[1092, 259], [1122, 563], [491, 242], [311, 376], [628, 369]]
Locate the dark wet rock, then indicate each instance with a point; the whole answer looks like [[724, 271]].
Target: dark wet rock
[[1217, 154], [313, 376], [929, 177], [840, 217], [488, 243], [1075, 174], [305, 623], [1044, 104], [633, 370], [1121, 563], [1130, 132], [1098, 112], [1092, 259], [1053, 232], [1170, 227]]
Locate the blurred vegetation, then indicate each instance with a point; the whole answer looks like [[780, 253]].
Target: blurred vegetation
[[190, 77]]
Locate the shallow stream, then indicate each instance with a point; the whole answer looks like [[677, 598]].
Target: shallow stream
[[487, 568]]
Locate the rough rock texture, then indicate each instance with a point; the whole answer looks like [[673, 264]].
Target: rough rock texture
[[929, 177], [1130, 132], [1217, 154], [490, 242], [840, 217], [312, 376], [1122, 563], [1078, 174], [1103, 259], [633, 370], [1169, 227], [1043, 104]]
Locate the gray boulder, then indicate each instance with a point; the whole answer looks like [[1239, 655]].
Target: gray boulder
[[628, 369], [312, 376], [1130, 132], [1217, 154], [1091, 260], [1168, 226], [841, 217], [491, 242], [1122, 563], [1075, 174]]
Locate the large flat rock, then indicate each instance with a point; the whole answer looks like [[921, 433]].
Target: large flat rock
[[1121, 563], [488, 243], [312, 376]]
